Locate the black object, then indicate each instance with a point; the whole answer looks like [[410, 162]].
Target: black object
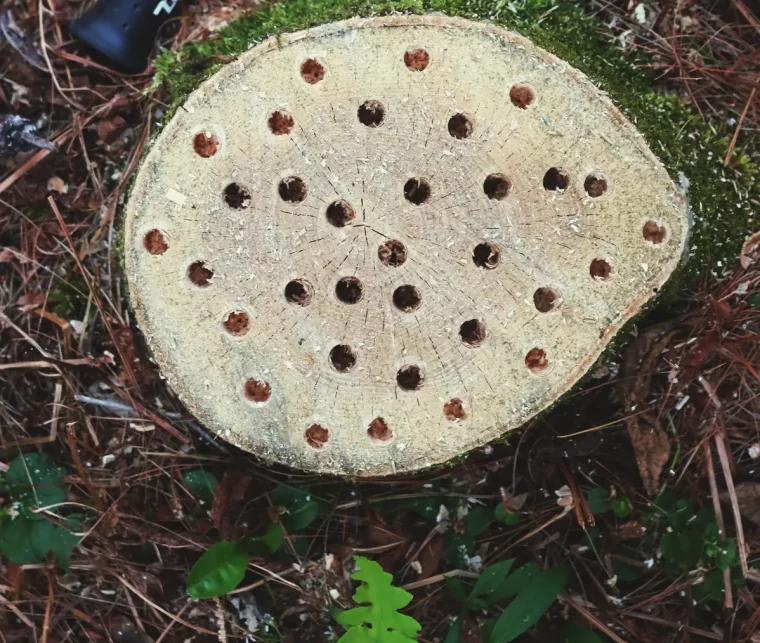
[[18, 134], [123, 30]]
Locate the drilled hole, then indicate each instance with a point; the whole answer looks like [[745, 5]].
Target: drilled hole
[[379, 430], [154, 242], [410, 378], [600, 269], [237, 323], [454, 410], [317, 436], [407, 298], [536, 360], [460, 126], [312, 71], [257, 390], [342, 358], [472, 332], [521, 96], [340, 213], [497, 186], [280, 123], [653, 232], [205, 144], [486, 255], [392, 253], [292, 189], [417, 191], [595, 185], [237, 196], [371, 113], [546, 299], [349, 290], [200, 273], [416, 59], [556, 180], [299, 292]]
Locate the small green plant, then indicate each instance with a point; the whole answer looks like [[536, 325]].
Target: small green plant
[[532, 592], [35, 482], [601, 501], [222, 566], [377, 618]]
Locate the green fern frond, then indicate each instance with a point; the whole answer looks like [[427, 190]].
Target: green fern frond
[[377, 620]]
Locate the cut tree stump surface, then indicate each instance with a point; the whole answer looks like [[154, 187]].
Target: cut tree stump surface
[[372, 246]]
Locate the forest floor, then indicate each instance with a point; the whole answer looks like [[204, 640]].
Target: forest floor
[[644, 483]]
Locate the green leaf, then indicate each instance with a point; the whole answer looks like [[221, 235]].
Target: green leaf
[[622, 507], [598, 500], [269, 543], [477, 521], [504, 516], [529, 605], [34, 480], [377, 620], [515, 582], [300, 508], [754, 299], [26, 541], [728, 555], [218, 571], [455, 631], [491, 579], [203, 484], [577, 634], [457, 589]]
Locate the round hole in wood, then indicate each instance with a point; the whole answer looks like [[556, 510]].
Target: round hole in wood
[[293, 189], [342, 358], [340, 213], [392, 253], [460, 126], [454, 410], [237, 196], [417, 191], [349, 290], [595, 185], [472, 332], [546, 299], [536, 360], [299, 292], [486, 255], [312, 71], [280, 123], [317, 436], [600, 269], [407, 298], [237, 323], [205, 144], [497, 186], [379, 430], [410, 378], [416, 59], [200, 274], [257, 390], [653, 232], [556, 179], [155, 242], [521, 96], [371, 113]]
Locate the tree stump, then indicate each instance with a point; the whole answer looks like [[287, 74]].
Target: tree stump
[[372, 246]]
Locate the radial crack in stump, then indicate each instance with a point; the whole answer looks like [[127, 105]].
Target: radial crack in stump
[[372, 246]]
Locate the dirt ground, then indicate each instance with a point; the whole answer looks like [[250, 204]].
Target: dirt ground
[[678, 409]]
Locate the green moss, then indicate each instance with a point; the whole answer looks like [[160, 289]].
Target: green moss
[[723, 200]]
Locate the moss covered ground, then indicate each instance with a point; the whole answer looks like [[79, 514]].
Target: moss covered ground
[[723, 200]]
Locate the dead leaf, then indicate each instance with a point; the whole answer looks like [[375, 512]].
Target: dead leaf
[[513, 504], [109, 130], [748, 497], [31, 300], [749, 251], [57, 184], [6, 255], [630, 530], [650, 442], [228, 498]]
